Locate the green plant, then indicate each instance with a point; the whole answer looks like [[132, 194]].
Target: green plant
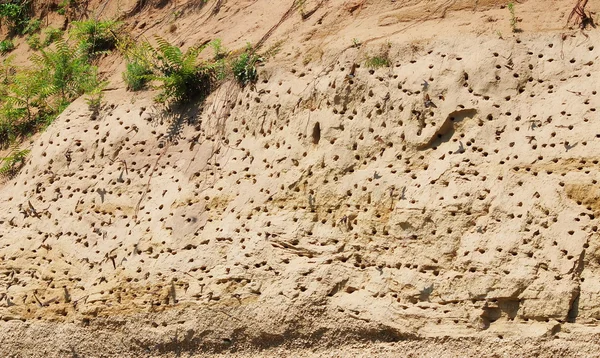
[[52, 35], [302, 7], [300, 4], [513, 17], [356, 43], [31, 98], [136, 75], [182, 76], [25, 94], [45, 118], [6, 132], [377, 61], [7, 72], [176, 14], [94, 96], [16, 13], [138, 70], [9, 124], [64, 6], [23, 103], [14, 161], [20, 127], [219, 50], [14, 126], [94, 100], [220, 55], [6, 46], [34, 42], [32, 26], [65, 71], [244, 66], [96, 36]]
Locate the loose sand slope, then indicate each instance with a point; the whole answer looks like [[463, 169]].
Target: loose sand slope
[[448, 203]]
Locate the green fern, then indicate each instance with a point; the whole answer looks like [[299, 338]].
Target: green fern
[[16, 13], [32, 26], [21, 102], [52, 35], [64, 6], [31, 98], [6, 132], [64, 71], [12, 163], [220, 52], [138, 71], [183, 77], [7, 72], [6, 46], [94, 95], [27, 93], [244, 67], [34, 42], [96, 37], [136, 75]]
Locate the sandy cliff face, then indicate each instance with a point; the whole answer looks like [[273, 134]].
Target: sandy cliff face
[[447, 204]]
